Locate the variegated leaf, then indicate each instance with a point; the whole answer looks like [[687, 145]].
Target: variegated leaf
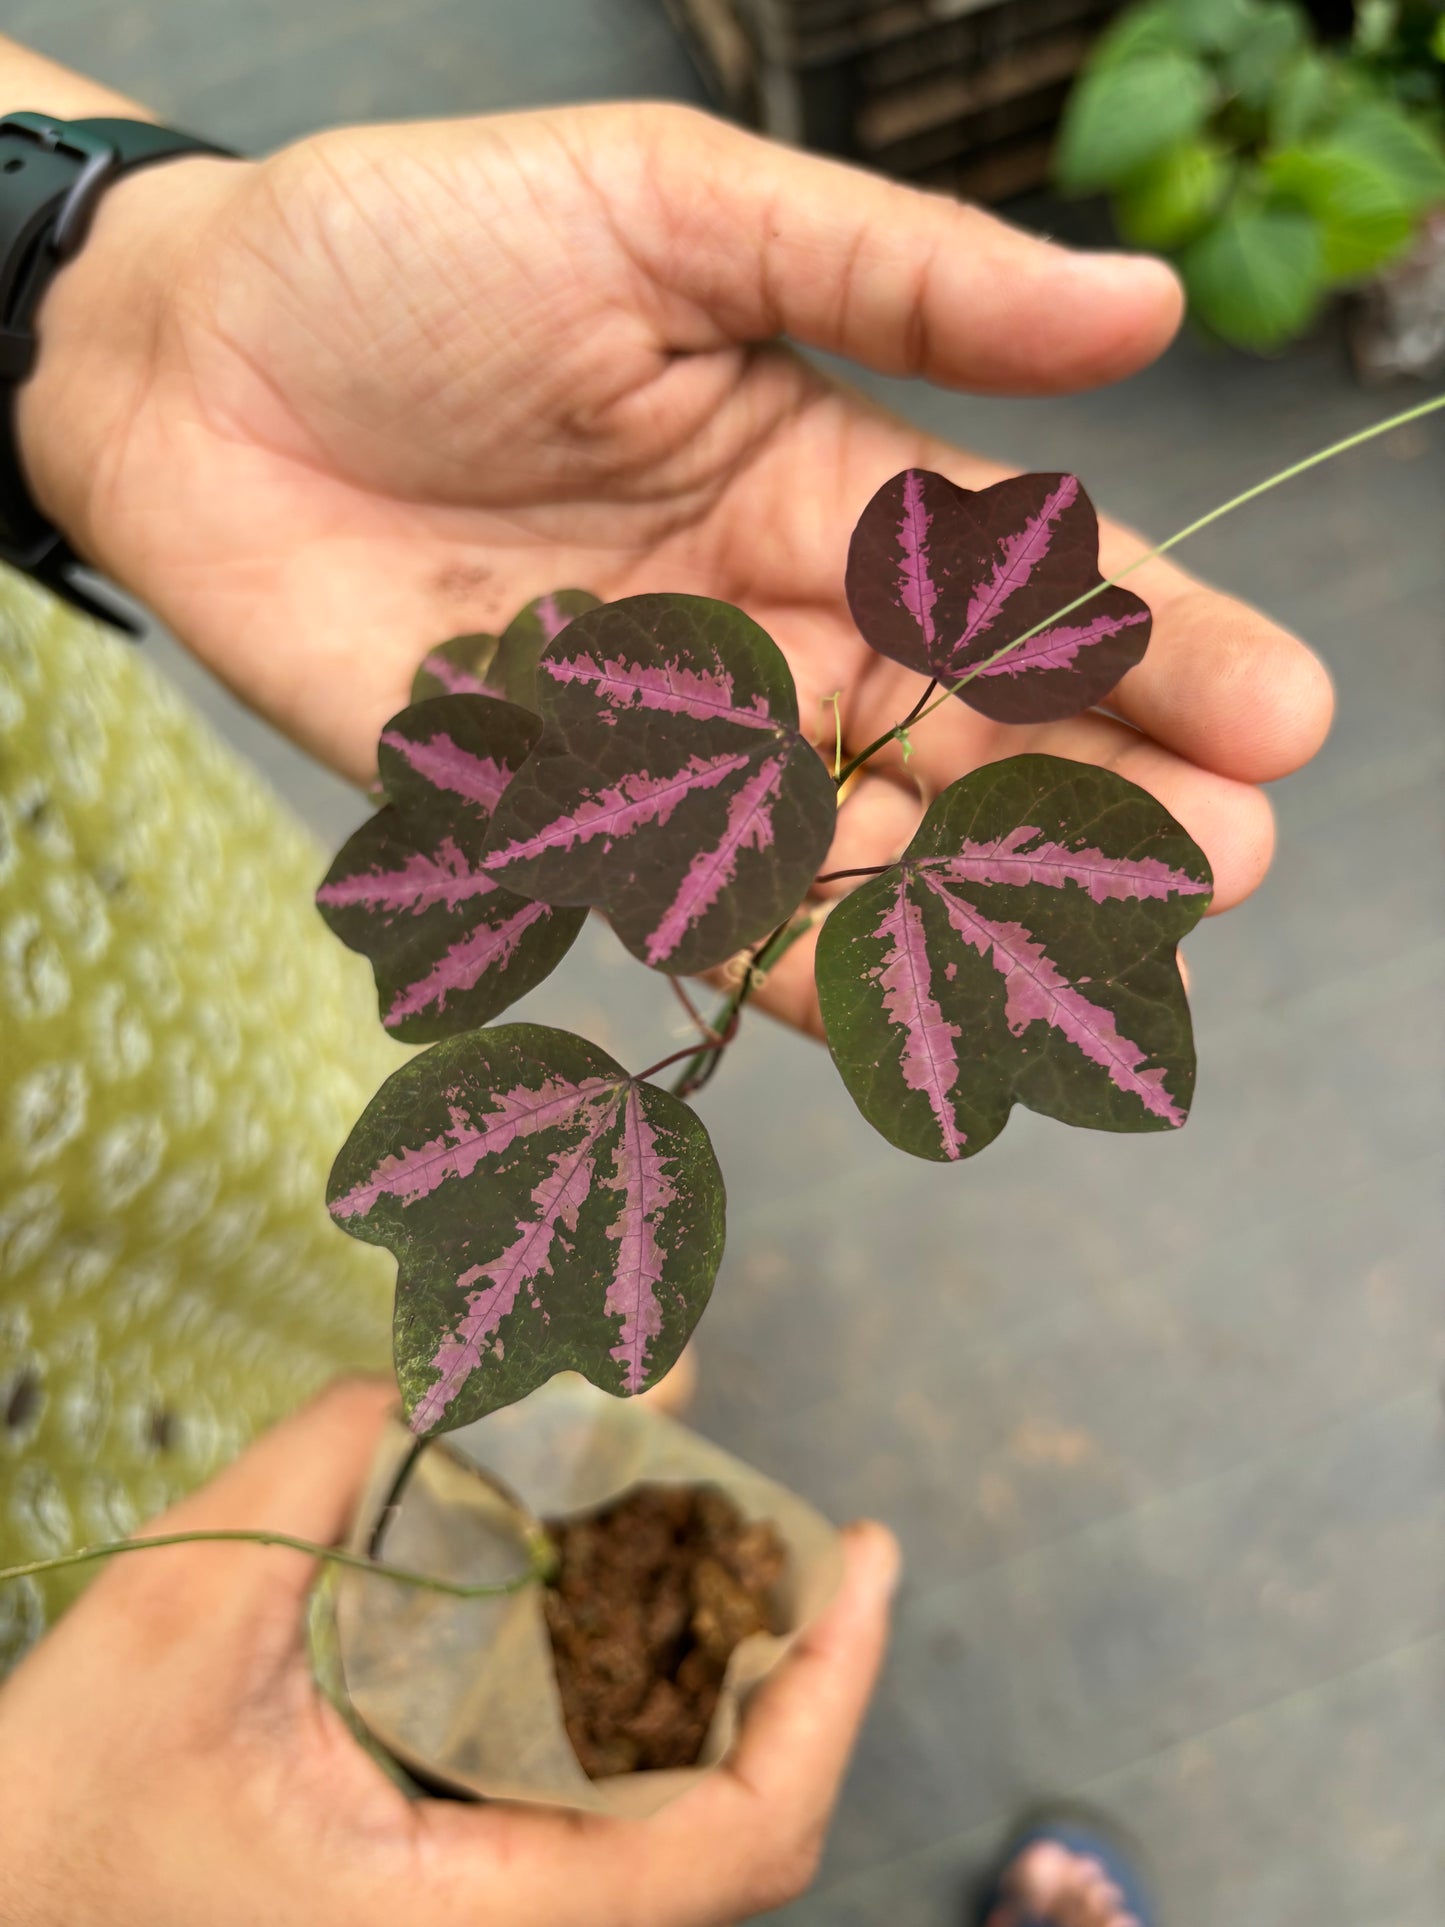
[[670, 785], [943, 579], [514, 671], [460, 667], [505, 665], [548, 1213], [449, 946], [1022, 951]]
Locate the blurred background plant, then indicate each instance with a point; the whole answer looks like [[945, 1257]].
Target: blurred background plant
[[1274, 167]]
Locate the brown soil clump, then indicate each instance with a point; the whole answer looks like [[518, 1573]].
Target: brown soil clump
[[650, 1598]]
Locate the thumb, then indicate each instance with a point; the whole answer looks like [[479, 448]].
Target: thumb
[[765, 240]]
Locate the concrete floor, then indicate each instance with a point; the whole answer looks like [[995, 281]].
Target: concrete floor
[[1167, 1464]]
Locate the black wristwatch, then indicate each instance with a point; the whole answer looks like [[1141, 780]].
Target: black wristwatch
[[52, 173]]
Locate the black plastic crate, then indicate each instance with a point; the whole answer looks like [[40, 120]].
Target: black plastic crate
[[963, 93]]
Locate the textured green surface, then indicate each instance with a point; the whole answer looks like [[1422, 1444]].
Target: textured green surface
[[183, 1046]]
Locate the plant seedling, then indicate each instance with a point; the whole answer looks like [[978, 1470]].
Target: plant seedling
[[549, 1209]]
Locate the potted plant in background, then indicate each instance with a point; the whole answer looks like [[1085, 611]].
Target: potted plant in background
[[1274, 170]]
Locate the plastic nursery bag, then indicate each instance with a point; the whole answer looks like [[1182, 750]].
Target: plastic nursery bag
[[462, 1692]]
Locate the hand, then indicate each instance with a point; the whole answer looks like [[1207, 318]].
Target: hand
[[387, 385], [165, 1758]]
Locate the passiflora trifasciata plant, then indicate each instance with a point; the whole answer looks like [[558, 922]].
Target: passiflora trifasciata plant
[[550, 1210]]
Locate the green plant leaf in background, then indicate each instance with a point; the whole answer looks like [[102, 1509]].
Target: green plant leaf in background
[[1122, 115], [1273, 36], [1219, 26], [1402, 147], [1138, 32], [1365, 219], [1171, 201], [1256, 279], [1307, 94]]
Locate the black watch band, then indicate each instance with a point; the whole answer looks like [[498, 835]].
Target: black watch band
[[52, 173]]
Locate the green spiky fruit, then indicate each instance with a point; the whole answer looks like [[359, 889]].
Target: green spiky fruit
[[183, 1047]]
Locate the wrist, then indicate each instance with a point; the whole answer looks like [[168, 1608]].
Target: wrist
[[97, 330]]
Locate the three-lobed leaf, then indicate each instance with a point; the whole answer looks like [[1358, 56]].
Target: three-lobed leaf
[[449, 947], [1021, 951], [548, 1213], [670, 786], [945, 579]]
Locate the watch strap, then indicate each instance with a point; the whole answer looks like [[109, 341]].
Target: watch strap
[[52, 174]]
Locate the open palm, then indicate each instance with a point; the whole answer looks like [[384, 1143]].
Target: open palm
[[395, 381]]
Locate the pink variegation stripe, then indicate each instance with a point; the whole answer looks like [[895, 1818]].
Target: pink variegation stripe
[[557, 1198], [1038, 992], [916, 588], [1058, 648], [550, 618], [639, 1172], [930, 1060], [1019, 555], [480, 779], [423, 880], [488, 947], [1006, 860], [621, 808], [670, 688], [453, 678], [521, 1112], [749, 826]]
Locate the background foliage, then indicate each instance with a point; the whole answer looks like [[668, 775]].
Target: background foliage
[[1272, 169]]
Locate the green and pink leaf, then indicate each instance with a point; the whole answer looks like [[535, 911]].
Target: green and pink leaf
[[449, 947], [671, 786], [1022, 951], [950, 581], [548, 1213]]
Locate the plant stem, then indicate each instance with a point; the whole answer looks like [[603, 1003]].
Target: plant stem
[[868, 870], [537, 1570], [1162, 548], [392, 1502], [688, 1050], [705, 1029], [705, 1061], [840, 777]]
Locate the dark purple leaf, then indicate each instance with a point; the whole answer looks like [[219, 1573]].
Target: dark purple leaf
[[1023, 951], [943, 578], [670, 785], [505, 665], [548, 1213], [460, 667], [528, 634], [449, 946]]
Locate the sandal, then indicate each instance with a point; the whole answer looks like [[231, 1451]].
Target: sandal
[[1003, 1900]]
